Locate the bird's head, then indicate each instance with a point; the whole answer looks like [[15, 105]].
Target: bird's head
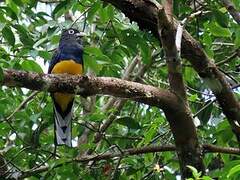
[[71, 35]]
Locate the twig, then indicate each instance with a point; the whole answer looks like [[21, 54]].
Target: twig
[[228, 59], [15, 156], [49, 1], [116, 169], [23, 103], [203, 108], [103, 32], [223, 44], [197, 91], [123, 137], [83, 14], [181, 27]]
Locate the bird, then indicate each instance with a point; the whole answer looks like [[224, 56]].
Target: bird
[[67, 59]]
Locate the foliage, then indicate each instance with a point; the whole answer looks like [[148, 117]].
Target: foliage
[[30, 32]]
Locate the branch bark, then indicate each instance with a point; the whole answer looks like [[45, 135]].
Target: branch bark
[[183, 128], [232, 10], [87, 86], [145, 13]]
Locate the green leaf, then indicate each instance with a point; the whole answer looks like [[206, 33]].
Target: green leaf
[[25, 37], [29, 65], [236, 3], [60, 8], [93, 51], [237, 38], [103, 13], [221, 18], [13, 6], [234, 170], [90, 62], [205, 114], [193, 97], [206, 178], [145, 52], [2, 18], [35, 117], [219, 31], [129, 122], [97, 116], [8, 35], [195, 173], [207, 39], [40, 42], [45, 55], [18, 2], [94, 8]]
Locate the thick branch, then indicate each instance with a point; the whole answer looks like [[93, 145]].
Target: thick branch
[[145, 13], [232, 10], [182, 127], [87, 86]]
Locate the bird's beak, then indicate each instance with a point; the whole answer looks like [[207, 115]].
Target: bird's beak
[[80, 34]]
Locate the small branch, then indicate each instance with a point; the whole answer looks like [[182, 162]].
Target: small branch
[[232, 10], [114, 176], [124, 137], [23, 104], [203, 108], [50, 1], [180, 28], [207, 148], [230, 58]]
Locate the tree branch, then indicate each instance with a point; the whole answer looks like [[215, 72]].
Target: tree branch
[[232, 10], [145, 13], [183, 128], [207, 148], [87, 86]]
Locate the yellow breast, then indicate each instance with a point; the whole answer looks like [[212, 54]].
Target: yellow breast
[[69, 67]]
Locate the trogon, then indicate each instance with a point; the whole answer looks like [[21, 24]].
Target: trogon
[[67, 59]]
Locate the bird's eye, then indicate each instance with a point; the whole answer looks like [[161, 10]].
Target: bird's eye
[[70, 31]]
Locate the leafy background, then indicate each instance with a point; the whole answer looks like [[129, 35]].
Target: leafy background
[[30, 31]]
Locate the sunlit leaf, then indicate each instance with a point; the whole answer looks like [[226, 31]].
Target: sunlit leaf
[[29, 65], [219, 31]]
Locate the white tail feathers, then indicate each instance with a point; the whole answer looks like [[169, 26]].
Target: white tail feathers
[[63, 128]]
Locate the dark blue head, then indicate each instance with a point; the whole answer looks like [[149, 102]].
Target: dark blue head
[[71, 35]]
